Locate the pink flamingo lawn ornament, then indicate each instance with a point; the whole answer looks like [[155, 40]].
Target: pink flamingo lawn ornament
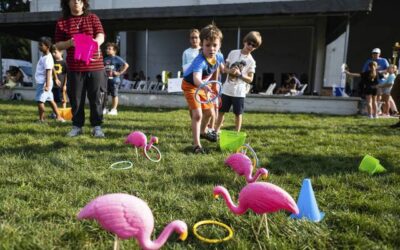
[[262, 198], [128, 216], [139, 140], [242, 165]]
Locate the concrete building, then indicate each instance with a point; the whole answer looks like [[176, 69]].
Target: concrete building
[[311, 38]]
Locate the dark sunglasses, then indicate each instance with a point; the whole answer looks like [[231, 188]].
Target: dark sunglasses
[[254, 45]]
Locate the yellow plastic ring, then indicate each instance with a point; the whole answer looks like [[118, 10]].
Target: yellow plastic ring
[[212, 222]]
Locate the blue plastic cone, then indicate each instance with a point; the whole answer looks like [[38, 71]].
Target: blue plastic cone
[[308, 208]]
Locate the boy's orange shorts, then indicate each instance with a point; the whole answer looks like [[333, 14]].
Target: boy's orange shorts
[[189, 91]]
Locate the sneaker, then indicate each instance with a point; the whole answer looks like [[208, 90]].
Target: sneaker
[[75, 131], [113, 112], [198, 150], [97, 132], [209, 136], [105, 111], [397, 125], [60, 120]]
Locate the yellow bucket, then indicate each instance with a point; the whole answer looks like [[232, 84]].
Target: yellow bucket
[[66, 113], [231, 140]]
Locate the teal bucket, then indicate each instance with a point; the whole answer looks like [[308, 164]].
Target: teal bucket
[[231, 140]]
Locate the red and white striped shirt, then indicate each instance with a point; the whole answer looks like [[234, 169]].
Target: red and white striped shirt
[[89, 25]]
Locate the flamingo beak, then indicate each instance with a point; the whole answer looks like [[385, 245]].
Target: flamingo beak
[[264, 176], [216, 196], [183, 236]]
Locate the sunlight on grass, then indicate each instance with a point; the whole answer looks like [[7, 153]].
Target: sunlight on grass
[[47, 178]]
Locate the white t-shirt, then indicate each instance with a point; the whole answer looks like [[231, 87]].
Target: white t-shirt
[[188, 56], [45, 62], [235, 86]]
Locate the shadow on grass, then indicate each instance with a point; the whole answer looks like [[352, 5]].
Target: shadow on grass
[[311, 165]]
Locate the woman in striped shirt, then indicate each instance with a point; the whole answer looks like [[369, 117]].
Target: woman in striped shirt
[[83, 79]]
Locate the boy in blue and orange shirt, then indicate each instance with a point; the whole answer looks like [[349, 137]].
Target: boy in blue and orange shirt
[[201, 70]]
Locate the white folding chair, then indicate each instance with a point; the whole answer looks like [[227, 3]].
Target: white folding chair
[[153, 86], [270, 90], [160, 86], [142, 85], [301, 92]]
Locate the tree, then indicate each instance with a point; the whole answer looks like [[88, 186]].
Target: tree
[[14, 5], [14, 47]]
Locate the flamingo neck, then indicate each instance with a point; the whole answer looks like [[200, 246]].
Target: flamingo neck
[[147, 244], [148, 146], [251, 179], [235, 209]]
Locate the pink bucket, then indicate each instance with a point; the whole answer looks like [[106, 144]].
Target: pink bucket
[[85, 47]]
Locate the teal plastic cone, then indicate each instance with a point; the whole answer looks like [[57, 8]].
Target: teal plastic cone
[[371, 165], [307, 204]]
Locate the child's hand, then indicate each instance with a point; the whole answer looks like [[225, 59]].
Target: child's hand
[[46, 88], [58, 82]]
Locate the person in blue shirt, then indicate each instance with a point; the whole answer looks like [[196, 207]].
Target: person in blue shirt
[[202, 70], [115, 66], [383, 64]]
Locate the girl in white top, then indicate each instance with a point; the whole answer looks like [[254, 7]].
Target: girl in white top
[[240, 67], [44, 79], [194, 50], [386, 86]]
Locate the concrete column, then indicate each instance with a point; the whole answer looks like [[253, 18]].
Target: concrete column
[[123, 44], [35, 58], [319, 52]]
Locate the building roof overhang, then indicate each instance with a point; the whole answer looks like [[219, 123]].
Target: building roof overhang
[[32, 25]]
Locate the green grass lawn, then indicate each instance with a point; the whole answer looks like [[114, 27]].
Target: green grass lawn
[[46, 178]]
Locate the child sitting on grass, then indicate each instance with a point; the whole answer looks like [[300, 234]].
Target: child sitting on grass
[[201, 70], [44, 80]]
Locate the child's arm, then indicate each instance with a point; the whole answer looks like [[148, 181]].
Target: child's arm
[[197, 78], [384, 85], [247, 78], [222, 68], [48, 79], [55, 77], [122, 70], [352, 74]]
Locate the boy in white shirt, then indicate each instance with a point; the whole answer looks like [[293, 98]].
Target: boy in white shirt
[[44, 79], [241, 67]]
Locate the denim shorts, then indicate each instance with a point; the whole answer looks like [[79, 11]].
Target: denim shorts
[[43, 96], [112, 87]]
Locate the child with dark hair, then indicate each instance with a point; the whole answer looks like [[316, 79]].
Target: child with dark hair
[[60, 77], [369, 82], [115, 66], [242, 67], [44, 79]]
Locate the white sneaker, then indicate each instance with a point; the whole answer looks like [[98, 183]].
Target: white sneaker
[[105, 111], [75, 131], [113, 112], [97, 132]]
